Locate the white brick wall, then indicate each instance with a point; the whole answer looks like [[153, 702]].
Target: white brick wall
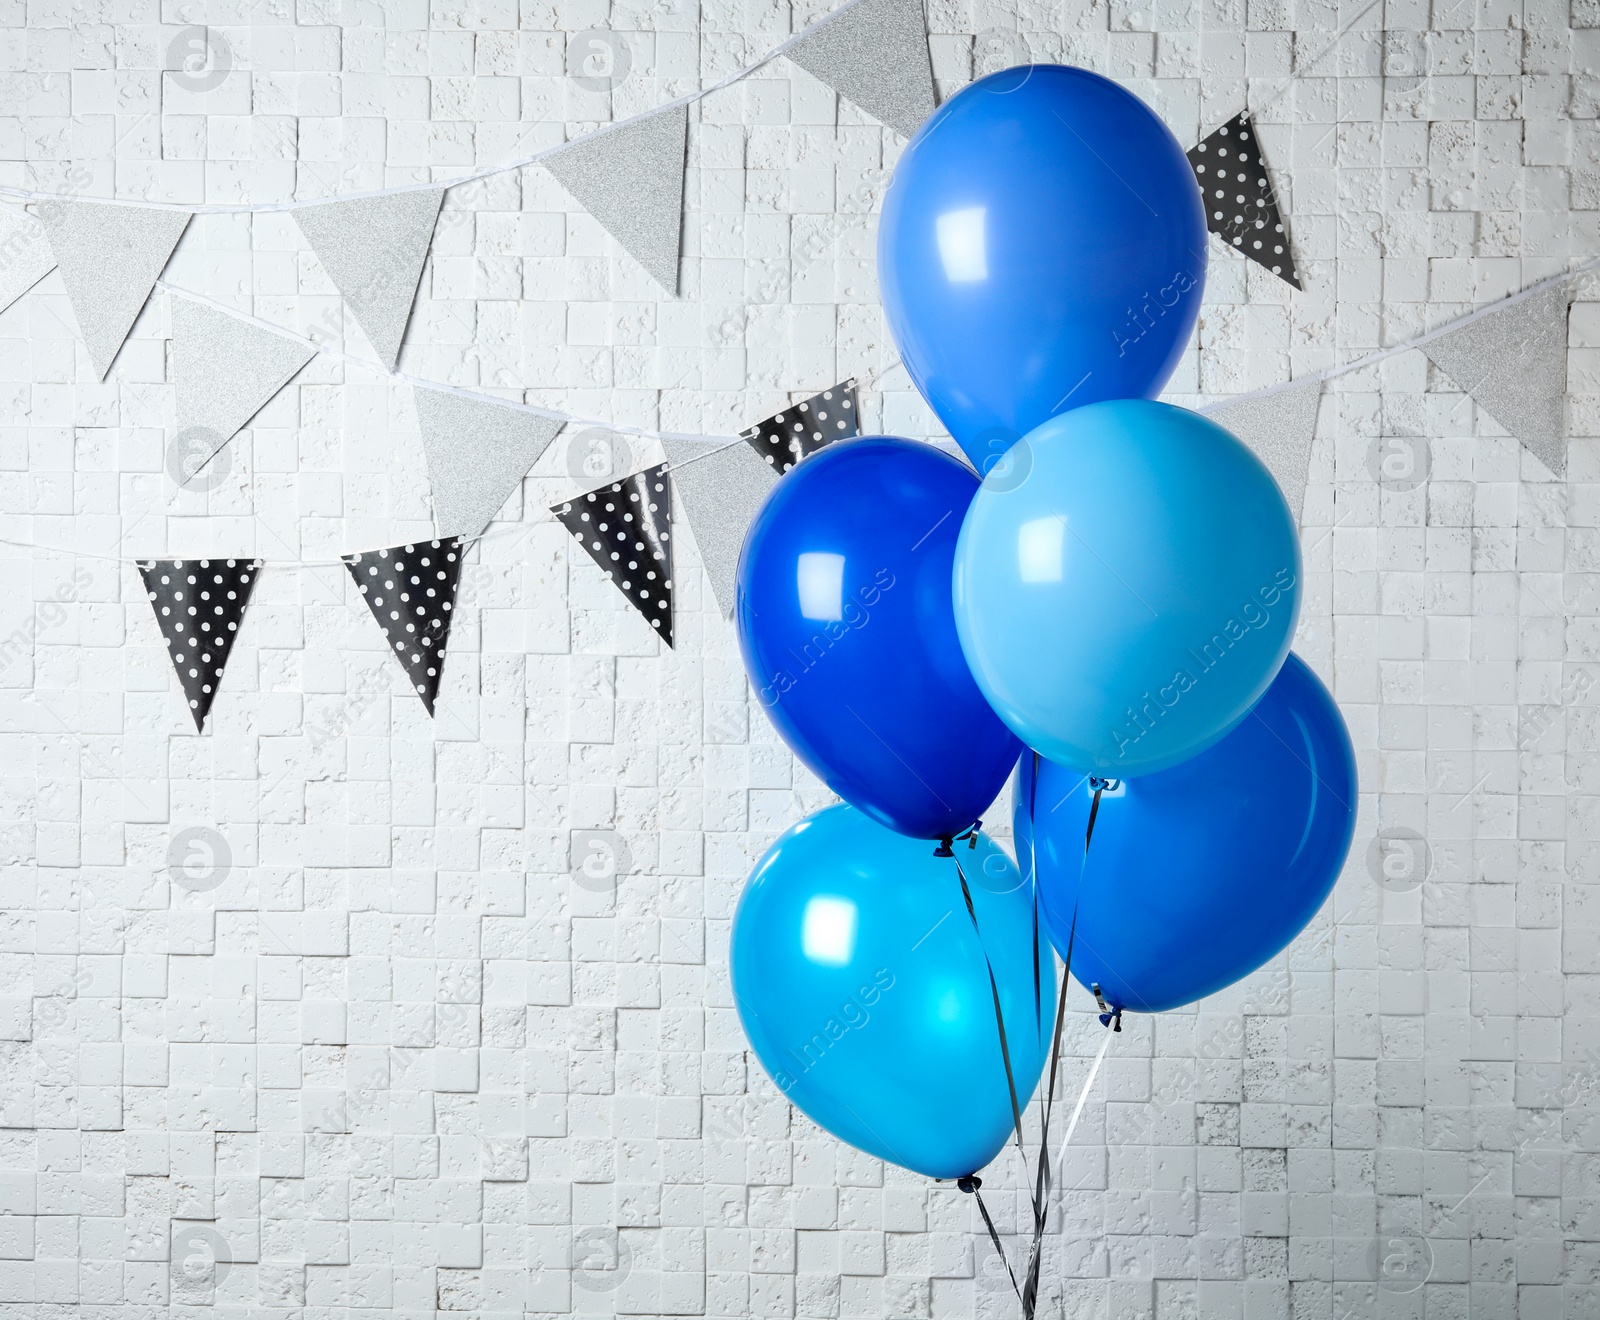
[[401, 1058]]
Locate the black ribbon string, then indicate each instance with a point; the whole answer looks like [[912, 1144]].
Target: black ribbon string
[[971, 1184], [999, 1017], [1028, 1294]]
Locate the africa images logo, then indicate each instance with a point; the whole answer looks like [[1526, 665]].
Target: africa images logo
[[852, 1015], [1151, 310], [1251, 615], [853, 616]]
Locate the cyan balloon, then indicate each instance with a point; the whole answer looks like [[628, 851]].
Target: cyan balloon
[[1198, 875], [1042, 247], [862, 987], [1126, 586], [849, 637]]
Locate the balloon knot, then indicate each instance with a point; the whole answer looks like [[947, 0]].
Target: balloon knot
[[944, 849], [970, 1183]]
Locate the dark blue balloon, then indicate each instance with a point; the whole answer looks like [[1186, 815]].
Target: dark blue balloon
[[1198, 874], [1042, 246], [849, 635]]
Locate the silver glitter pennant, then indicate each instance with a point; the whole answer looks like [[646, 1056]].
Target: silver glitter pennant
[[110, 258], [719, 488], [630, 179], [225, 370], [478, 452], [373, 249], [1280, 428], [875, 54], [25, 256], [1513, 362]]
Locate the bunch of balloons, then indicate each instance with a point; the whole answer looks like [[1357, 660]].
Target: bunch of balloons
[[1112, 602]]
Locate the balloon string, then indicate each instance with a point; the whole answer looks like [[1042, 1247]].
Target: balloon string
[[1042, 1180], [1083, 1096], [971, 1184], [1039, 1193], [999, 1017], [1033, 873]]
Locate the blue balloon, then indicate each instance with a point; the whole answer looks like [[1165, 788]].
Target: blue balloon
[[1197, 875], [848, 634], [1126, 586], [863, 989], [1042, 246]]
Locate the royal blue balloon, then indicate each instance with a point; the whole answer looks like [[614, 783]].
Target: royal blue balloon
[[1042, 246], [848, 634], [1126, 586], [863, 989], [1197, 875]]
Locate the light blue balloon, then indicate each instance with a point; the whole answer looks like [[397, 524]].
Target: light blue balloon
[[1126, 584], [863, 991]]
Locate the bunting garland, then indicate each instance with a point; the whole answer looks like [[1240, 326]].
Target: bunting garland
[[628, 175], [1509, 357], [626, 528], [198, 605], [411, 591]]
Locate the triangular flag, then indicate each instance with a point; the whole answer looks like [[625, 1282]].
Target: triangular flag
[[626, 528], [373, 249], [411, 591], [630, 179], [1279, 426], [1241, 208], [1512, 360], [25, 256], [110, 258], [199, 604], [875, 53], [787, 437], [225, 370], [478, 452], [718, 488]]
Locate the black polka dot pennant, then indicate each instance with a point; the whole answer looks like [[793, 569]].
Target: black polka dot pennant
[[199, 604], [784, 439], [411, 591], [1240, 206], [627, 530]]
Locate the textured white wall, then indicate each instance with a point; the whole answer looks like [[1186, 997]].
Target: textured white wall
[[399, 1057]]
